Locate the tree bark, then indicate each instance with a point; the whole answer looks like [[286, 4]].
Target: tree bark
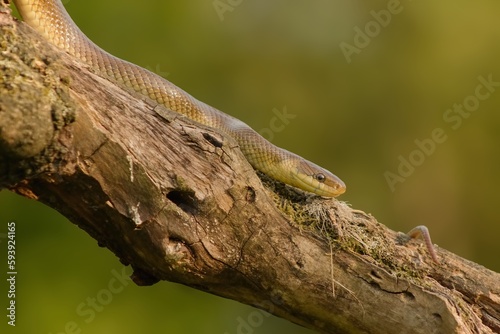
[[178, 201]]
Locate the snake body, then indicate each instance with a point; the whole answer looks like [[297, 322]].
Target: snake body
[[51, 20]]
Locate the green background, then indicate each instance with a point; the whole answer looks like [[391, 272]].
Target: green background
[[356, 119]]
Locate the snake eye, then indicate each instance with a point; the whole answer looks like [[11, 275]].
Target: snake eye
[[320, 177]]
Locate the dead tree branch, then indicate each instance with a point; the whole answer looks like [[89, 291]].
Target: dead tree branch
[[179, 202]]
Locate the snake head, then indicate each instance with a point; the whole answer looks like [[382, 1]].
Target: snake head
[[313, 178]]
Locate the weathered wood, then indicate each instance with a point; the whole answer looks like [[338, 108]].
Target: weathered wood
[[179, 202]]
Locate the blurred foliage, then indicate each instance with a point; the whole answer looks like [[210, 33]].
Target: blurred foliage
[[355, 118]]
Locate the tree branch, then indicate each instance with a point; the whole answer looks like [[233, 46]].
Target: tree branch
[[178, 201]]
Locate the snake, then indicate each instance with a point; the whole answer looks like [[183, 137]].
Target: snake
[[51, 20]]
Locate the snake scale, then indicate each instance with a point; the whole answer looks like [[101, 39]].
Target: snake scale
[[51, 20]]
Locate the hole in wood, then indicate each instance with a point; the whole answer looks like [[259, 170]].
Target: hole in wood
[[250, 195], [184, 199], [212, 140]]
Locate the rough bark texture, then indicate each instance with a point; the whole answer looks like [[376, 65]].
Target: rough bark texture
[[179, 202]]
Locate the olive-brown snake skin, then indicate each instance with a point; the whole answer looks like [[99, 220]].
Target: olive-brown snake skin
[[51, 20]]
